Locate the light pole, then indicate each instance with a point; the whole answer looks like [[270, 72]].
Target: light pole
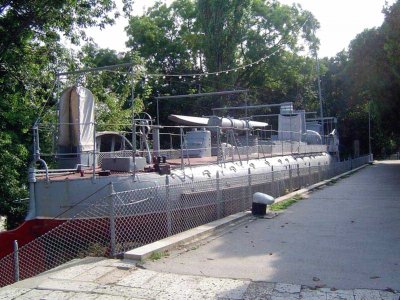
[[369, 131], [319, 92]]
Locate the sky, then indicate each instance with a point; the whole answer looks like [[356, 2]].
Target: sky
[[340, 22]]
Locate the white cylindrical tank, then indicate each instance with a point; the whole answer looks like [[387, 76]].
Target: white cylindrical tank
[[198, 143]]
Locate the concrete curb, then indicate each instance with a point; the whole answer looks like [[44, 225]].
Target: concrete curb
[[185, 237], [207, 230]]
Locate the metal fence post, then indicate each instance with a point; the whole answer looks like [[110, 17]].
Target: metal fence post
[[249, 188], [169, 213], [319, 172], [16, 261], [290, 179], [219, 196], [112, 220], [181, 136], [310, 181], [94, 152], [272, 181], [298, 177], [247, 143]]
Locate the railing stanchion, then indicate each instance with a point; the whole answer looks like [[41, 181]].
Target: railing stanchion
[[94, 152]]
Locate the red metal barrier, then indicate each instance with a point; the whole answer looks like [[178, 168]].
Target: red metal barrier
[[25, 233]]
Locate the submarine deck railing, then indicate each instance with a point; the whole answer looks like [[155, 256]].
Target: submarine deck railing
[[238, 148], [109, 225]]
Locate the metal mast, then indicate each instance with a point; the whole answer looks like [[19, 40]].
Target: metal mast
[[320, 98], [319, 93]]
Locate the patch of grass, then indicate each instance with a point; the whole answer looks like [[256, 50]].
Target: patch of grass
[[158, 255], [93, 250], [285, 203]]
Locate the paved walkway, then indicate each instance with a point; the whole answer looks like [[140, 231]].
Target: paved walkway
[[94, 278], [346, 236], [341, 243]]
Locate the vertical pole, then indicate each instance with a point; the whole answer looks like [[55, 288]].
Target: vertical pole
[[290, 126], [134, 146], [319, 172], [158, 115], [310, 181], [249, 189], [290, 179], [35, 146], [219, 196], [181, 136], [320, 98], [112, 220], [300, 136], [156, 140], [369, 132], [247, 141], [16, 261], [32, 201], [168, 200], [219, 148], [272, 181], [298, 177], [245, 103], [94, 151]]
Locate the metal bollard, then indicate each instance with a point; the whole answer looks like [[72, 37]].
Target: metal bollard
[[260, 202]]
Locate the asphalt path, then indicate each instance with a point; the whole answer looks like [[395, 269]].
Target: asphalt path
[[345, 235]]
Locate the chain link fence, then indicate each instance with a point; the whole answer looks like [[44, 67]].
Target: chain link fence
[[129, 219]]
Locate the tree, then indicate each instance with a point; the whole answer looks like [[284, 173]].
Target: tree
[[222, 27], [193, 37], [365, 79], [113, 90], [30, 52]]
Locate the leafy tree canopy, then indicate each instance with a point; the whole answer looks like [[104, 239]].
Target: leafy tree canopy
[[30, 53], [190, 37], [366, 78]]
